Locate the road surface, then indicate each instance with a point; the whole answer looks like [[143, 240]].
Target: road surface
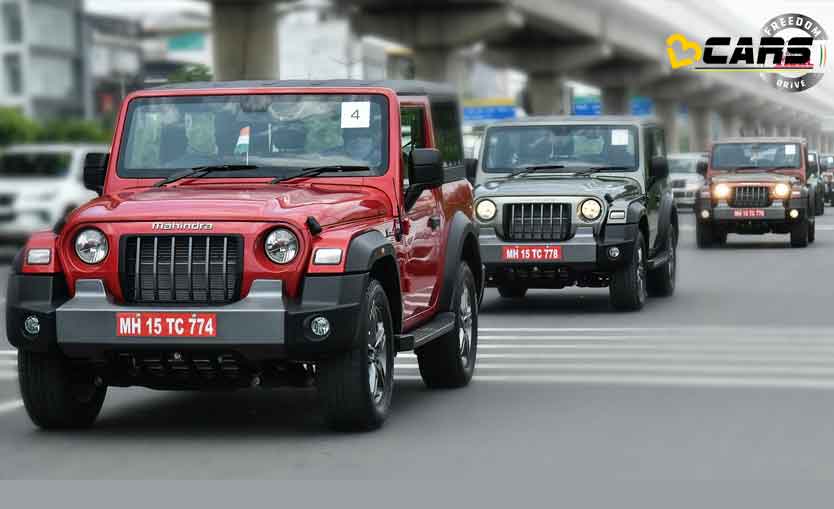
[[733, 377]]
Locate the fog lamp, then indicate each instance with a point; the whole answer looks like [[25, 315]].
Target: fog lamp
[[793, 213], [613, 252], [32, 325], [320, 326], [705, 214]]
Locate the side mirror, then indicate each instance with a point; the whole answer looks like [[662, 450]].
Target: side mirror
[[95, 169], [659, 168], [426, 168], [471, 166], [701, 168]]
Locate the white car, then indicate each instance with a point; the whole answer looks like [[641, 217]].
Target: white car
[[40, 185], [685, 177]]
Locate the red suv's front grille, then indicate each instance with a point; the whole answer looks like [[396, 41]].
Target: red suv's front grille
[[185, 269]]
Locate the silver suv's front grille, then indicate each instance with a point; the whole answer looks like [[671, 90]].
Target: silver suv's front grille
[[186, 269], [537, 221], [750, 196]]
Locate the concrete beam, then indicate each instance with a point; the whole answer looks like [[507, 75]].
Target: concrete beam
[[637, 77], [424, 27], [547, 59], [245, 40]]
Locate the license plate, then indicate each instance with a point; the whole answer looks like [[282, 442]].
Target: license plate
[[749, 213], [531, 253], [162, 325]]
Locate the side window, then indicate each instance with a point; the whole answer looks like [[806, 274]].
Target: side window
[[447, 133], [412, 132]]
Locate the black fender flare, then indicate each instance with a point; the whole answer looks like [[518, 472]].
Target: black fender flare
[[365, 249], [664, 221], [460, 228], [636, 212]]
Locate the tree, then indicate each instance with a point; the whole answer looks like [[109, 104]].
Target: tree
[[74, 130], [15, 127], [191, 72]]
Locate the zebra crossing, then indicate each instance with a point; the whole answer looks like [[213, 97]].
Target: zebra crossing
[[690, 356], [701, 356]]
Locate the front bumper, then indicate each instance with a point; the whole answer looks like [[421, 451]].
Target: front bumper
[[777, 212], [264, 325], [583, 254]]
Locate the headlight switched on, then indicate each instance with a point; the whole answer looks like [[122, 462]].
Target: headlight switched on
[[281, 246], [91, 246], [721, 191], [781, 191]]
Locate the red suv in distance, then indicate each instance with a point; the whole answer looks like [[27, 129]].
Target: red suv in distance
[[258, 234]]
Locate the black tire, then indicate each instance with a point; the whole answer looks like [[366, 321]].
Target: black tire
[[822, 208], [628, 284], [719, 237], [812, 232], [800, 233], [56, 396], [661, 281], [449, 361], [512, 292], [703, 235], [345, 381]]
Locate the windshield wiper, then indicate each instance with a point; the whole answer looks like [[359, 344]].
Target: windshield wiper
[[202, 171], [316, 170], [596, 169], [531, 169]]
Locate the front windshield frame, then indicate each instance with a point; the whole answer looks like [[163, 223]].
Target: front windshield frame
[[750, 164], [56, 156], [691, 167], [571, 166], [379, 103]]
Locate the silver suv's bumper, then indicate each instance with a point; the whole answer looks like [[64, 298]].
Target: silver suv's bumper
[[582, 248]]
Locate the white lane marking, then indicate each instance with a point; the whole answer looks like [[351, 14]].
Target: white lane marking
[[11, 405], [633, 367], [666, 381]]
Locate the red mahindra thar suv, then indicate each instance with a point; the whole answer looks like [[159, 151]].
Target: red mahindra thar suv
[[257, 234]]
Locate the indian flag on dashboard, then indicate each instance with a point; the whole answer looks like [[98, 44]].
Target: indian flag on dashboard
[[242, 146]]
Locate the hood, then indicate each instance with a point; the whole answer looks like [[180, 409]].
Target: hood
[[561, 186], [330, 204], [748, 176]]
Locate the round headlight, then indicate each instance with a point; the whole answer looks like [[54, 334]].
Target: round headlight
[[91, 246], [590, 210], [281, 245], [721, 192], [485, 210], [781, 191]]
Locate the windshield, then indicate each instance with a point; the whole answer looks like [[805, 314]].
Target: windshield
[[574, 146], [683, 165], [729, 156], [827, 162], [36, 165], [279, 134]]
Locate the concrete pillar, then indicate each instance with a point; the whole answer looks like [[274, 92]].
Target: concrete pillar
[[548, 94], [699, 129], [767, 129], [615, 101], [782, 130], [433, 64], [245, 40], [730, 125], [794, 131], [750, 127], [667, 112]]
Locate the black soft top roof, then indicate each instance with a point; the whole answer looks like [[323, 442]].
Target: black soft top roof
[[401, 87]]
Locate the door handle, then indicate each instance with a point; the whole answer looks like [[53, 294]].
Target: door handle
[[434, 222]]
